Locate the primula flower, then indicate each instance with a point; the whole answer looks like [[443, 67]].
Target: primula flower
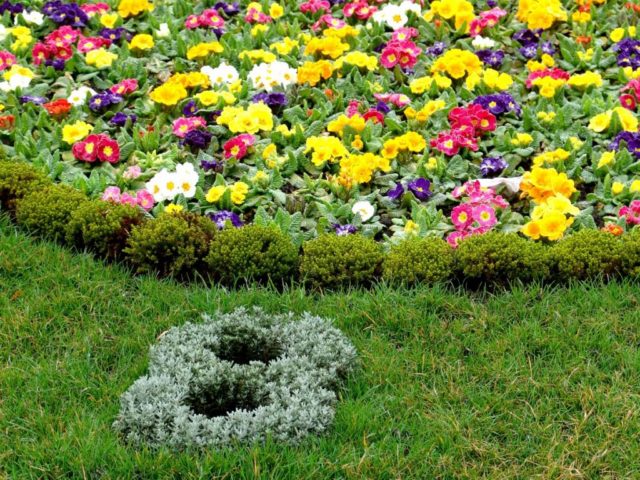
[[224, 218], [421, 188]]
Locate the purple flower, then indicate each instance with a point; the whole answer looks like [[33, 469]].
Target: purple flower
[[198, 139], [396, 192], [120, 119], [114, 34], [190, 109], [491, 166], [529, 51], [275, 100], [631, 139], [527, 37], [102, 101], [436, 49], [222, 217], [66, 14], [491, 58], [421, 188], [343, 230], [229, 9], [13, 9], [209, 165], [56, 63], [628, 50], [32, 99], [548, 48], [498, 103], [382, 107]]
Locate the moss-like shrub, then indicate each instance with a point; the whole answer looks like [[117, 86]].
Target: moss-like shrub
[[498, 258], [237, 377], [16, 180], [587, 254], [47, 211], [171, 245], [102, 227], [253, 252], [334, 261], [631, 254], [419, 260]]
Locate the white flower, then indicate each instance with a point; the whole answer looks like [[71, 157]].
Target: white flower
[[224, 74], [266, 76], [156, 186], [364, 209], [186, 178], [395, 16], [3, 32], [78, 97], [480, 42], [33, 17], [512, 183], [408, 6], [16, 81], [163, 31]]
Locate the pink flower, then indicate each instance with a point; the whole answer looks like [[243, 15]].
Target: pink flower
[[484, 215], [454, 238], [211, 18], [108, 149], [145, 199], [125, 87], [128, 199], [6, 60], [87, 149], [86, 44], [111, 194], [462, 216], [192, 21], [390, 57], [132, 172]]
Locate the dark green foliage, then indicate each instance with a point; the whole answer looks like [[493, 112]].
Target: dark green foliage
[[253, 252], [16, 180], [631, 254], [171, 245], [102, 227], [419, 260], [587, 254], [334, 261], [47, 211], [499, 258]]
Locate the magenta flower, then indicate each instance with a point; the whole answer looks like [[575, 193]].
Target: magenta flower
[[484, 215]]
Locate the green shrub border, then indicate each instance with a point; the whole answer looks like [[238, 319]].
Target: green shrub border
[[331, 261]]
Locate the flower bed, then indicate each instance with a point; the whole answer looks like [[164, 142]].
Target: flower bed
[[241, 376], [394, 121]]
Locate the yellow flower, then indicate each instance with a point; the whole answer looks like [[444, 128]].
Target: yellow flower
[[606, 158], [553, 225], [131, 8], [75, 132], [522, 140], [142, 41], [100, 58], [411, 227], [260, 176], [109, 19], [617, 188], [168, 94], [635, 186], [173, 208], [600, 122], [276, 10], [239, 192], [215, 193]]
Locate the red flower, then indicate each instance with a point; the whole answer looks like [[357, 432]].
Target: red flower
[[58, 108], [7, 122], [628, 101], [108, 150], [86, 150], [374, 115]]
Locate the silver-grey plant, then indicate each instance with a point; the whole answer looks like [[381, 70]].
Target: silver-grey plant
[[242, 376]]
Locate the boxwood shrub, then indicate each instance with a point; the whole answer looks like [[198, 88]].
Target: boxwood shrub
[[46, 212], [497, 258], [171, 245], [254, 252], [16, 180], [419, 260], [587, 254], [102, 227], [333, 261], [631, 254]]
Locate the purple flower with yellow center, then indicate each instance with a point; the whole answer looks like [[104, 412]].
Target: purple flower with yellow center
[[529, 51], [421, 188], [103, 101], [343, 230], [12, 8], [396, 192], [492, 166], [190, 109], [527, 37], [113, 34], [436, 49], [275, 100], [224, 218], [198, 139], [229, 9], [632, 141], [498, 103]]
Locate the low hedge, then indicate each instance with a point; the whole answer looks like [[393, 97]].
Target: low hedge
[[185, 245]]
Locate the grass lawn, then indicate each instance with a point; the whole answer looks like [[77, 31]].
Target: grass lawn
[[536, 382]]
